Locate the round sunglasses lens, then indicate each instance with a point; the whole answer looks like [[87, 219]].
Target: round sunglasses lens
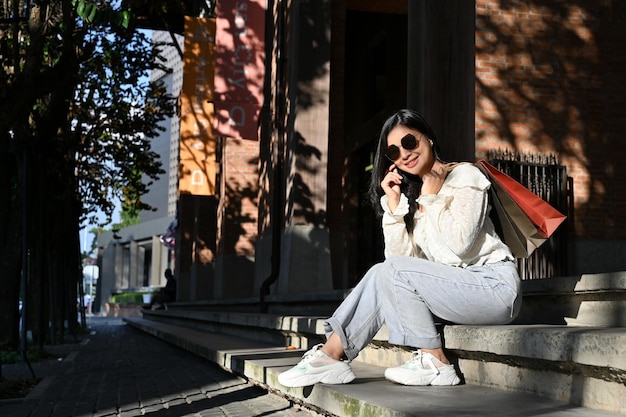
[[393, 152], [409, 142]]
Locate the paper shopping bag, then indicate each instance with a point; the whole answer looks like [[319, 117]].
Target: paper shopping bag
[[541, 213], [523, 220]]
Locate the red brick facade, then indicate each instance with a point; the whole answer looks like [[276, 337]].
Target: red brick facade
[[238, 196], [551, 78]]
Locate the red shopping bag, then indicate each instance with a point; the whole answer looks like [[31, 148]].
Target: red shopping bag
[[525, 219], [542, 214]]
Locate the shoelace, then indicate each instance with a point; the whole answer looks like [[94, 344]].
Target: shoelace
[[418, 356], [309, 354]]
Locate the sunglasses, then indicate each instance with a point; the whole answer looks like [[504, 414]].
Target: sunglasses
[[408, 142]]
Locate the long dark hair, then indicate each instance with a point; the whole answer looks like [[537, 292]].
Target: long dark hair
[[412, 185]]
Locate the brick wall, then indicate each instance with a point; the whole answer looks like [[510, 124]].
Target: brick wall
[[551, 78], [239, 186]]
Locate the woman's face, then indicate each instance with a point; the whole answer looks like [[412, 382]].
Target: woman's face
[[418, 159]]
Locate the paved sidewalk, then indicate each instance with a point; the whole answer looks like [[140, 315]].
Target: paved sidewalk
[[121, 371]]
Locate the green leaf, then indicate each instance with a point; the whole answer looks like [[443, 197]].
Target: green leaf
[[125, 19], [80, 10], [92, 13]]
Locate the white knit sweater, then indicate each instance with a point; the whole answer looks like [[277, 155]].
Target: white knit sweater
[[454, 228]]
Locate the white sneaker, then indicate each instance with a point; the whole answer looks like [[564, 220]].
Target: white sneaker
[[316, 366], [421, 370]]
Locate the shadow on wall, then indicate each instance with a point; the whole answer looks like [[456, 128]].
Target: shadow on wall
[[301, 202], [550, 77], [242, 223]]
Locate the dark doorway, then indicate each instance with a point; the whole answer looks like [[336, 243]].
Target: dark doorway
[[147, 266], [375, 87]]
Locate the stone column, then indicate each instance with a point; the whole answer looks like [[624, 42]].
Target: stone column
[[305, 265], [305, 254], [441, 71]]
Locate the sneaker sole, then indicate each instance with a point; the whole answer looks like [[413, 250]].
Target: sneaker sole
[[441, 379], [344, 377], [446, 382], [331, 378], [428, 380]]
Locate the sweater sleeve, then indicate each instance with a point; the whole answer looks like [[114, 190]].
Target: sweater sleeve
[[398, 242]]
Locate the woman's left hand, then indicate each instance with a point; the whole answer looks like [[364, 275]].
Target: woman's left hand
[[433, 180]]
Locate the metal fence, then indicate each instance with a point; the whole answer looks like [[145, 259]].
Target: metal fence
[[544, 176]]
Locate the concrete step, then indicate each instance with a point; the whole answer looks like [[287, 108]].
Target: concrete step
[[586, 300], [318, 303], [576, 365], [582, 300], [369, 395]]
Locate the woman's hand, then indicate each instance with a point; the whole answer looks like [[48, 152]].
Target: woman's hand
[[433, 180], [391, 186]]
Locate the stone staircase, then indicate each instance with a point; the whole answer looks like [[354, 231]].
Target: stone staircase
[[571, 362]]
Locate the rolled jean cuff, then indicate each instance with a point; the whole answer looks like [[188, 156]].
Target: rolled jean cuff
[[416, 342], [331, 326], [351, 351]]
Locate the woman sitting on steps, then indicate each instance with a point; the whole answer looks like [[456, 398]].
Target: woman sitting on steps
[[443, 259]]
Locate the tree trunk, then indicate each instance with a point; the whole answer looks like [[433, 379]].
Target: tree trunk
[[10, 257]]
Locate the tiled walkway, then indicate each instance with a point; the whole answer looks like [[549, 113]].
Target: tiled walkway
[[120, 371]]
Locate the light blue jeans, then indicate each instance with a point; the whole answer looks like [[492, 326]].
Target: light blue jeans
[[408, 293]]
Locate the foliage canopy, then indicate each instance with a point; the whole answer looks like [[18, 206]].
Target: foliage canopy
[[77, 114]]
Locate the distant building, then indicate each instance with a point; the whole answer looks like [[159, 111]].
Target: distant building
[[136, 257]]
